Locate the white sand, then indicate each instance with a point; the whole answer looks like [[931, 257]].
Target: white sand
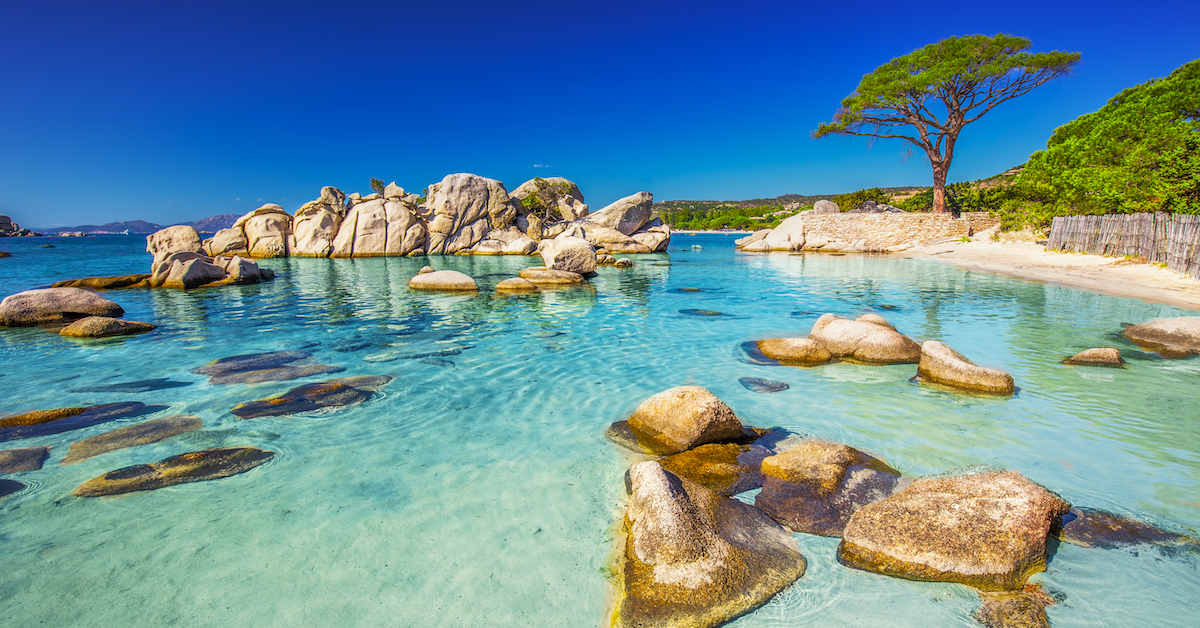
[[1106, 275]]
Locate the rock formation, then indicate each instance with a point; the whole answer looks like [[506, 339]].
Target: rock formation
[[196, 466], [571, 254], [942, 365], [727, 468], [795, 351], [131, 436], [103, 327], [681, 418], [462, 209], [338, 392], [443, 280], [19, 460], [1103, 356], [254, 368], [865, 340], [1172, 337], [59, 420], [54, 306]]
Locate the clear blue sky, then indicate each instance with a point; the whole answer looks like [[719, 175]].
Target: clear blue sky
[[173, 111]]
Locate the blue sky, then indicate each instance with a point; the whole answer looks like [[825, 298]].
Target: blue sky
[[173, 111]]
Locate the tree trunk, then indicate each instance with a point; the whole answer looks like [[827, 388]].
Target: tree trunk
[[939, 188]]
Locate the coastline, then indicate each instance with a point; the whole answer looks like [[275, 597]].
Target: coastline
[[1096, 273]]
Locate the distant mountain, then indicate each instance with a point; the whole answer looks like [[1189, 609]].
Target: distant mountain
[[212, 224]]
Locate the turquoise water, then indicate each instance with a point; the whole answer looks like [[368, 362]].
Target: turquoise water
[[478, 488]]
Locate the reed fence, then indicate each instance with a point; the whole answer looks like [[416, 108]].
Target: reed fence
[[1173, 239]]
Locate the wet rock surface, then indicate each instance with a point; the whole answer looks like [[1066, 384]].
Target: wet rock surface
[[983, 528], [139, 386], [104, 327], [197, 466], [1104, 356], [795, 351], [54, 305], [1171, 337], [8, 487], [760, 385], [545, 276], [1106, 530], [28, 459], [693, 558], [46, 422], [680, 418], [254, 368], [726, 468], [106, 283], [131, 436], [1012, 610], [815, 487], [338, 392], [942, 365], [443, 280]]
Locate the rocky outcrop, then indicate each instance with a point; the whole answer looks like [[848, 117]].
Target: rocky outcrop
[[380, 227], [864, 340], [186, 270], [571, 254], [443, 280], [752, 238], [694, 558], [104, 327], [19, 460], [604, 238], [48, 306], [1172, 337], [795, 351], [175, 239], [984, 528], [255, 368], [654, 235], [196, 466], [506, 241], [316, 224], [231, 241], [815, 487], [59, 420], [549, 200], [145, 433], [626, 215], [542, 276], [788, 236], [333, 393], [727, 468], [942, 365], [462, 209], [1103, 356], [681, 418]]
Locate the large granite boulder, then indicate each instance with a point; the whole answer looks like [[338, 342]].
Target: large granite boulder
[[59, 420], [727, 468], [106, 283], [231, 241], [826, 207], [788, 236], [173, 240], [145, 433], [571, 254], [942, 365], [608, 239], [104, 327], [196, 466], [752, 238], [379, 227], [542, 276], [681, 418], [1172, 337], [984, 528], [316, 224], [333, 393], [693, 558], [54, 305], [654, 235], [255, 368], [795, 351], [190, 274], [507, 241], [551, 199], [626, 215], [19, 460], [462, 209], [815, 487], [242, 271], [1100, 356], [268, 230], [864, 340], [443, 280]]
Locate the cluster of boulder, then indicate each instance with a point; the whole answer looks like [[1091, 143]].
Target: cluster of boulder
[[690, 555], [72, 312], [10, 229], [463, 214]]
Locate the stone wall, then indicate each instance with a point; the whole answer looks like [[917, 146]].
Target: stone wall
[[881, 231]]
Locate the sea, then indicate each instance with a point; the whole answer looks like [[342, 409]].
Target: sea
[[478, 488]]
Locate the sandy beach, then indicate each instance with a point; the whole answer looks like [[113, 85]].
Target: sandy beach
[[1105, 275]]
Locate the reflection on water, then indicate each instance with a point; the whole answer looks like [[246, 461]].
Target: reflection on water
[[478, 489]]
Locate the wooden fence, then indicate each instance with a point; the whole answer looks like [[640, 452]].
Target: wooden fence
[[1173, 239]]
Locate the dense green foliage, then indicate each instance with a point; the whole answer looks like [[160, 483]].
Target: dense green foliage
[[852, 200], [927, 96], [543, 202], [710, 215], [1136, 154]]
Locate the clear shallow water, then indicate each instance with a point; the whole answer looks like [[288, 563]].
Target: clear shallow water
[[478, 489]]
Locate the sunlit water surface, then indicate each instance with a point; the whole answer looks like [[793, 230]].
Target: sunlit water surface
[[479, 490]]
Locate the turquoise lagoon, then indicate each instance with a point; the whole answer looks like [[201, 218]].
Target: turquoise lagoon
[[479, 490]]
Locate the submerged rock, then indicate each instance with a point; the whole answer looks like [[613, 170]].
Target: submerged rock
[[46, 422], [106, 283], [1096, 528], [1106, 356], [543, 276], [196, 466], [986, 529], [104, 327], [726, 468], [815, 487], [1172, 337], [144, 385], [694, 558], [942, 365], [681, 418], [443, 280], [1005, 609], [18, 460], [795, 351], [131, 436], [338, 392], [8, 487], [760, 385], [865, 340], [254, 368], [54, 305]]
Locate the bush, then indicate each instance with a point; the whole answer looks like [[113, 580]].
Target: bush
[[856, 199]]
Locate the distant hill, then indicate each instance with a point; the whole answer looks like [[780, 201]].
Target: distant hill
[[212, 224]]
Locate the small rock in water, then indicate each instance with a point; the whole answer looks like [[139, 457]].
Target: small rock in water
[[139, 386], [8, 487], [106, 283], [131, 436], [942, 365], [760, 385], [46, 246], [46, 422], [1106, 530], [693, 312], [443, 280], [104, 327], [338, 392], [683, 417], [1012, 610], [795, 351], [1104, 356], [1170, 337], [437, 362], [197, 466], [18, 460], [689, 290], [256, 368]]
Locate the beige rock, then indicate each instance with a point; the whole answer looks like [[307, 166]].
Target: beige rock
[[267, 230], [544, 276], [516, 284], [506, 241], [655, 241], [877, 320], [626, 215], [161, 267], [103, 327], [1105, 356], [758, 246], [570, 254], [986, 529], [54, 305], [392, 191], [231, 240], [445, 280], [752, 238], [801, 351], [826, 207], [623, 262], [942, 365], [425, 269], [316, 224], [1172, 337], [681, 418], [192, 274], [693, 558], [788, 236], [462, 209], [173, 240], [864, 341]]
